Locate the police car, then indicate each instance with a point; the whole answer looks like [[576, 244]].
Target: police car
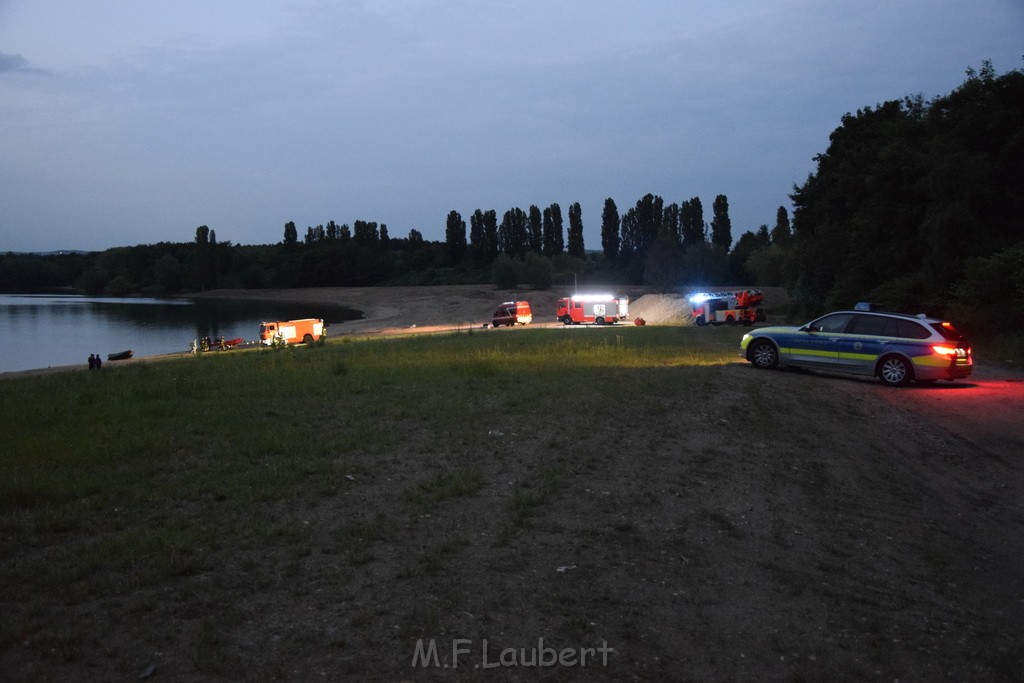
[[894, 347]]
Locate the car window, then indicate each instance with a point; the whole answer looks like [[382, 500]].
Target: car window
[[875, 325], [911, 330], [947, 331], [832, 323]]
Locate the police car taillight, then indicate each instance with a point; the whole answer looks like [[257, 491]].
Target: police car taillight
[[944, 350]]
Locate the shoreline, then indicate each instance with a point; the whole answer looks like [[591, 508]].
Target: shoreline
[[391, 311]]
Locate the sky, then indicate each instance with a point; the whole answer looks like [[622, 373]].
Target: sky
[[125, 122]]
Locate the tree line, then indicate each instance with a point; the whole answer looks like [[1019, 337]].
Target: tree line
[[915, 205], [532, 247]]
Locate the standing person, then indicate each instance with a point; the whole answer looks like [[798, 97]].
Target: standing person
[[192, 349], [99, 362], [92, 361]]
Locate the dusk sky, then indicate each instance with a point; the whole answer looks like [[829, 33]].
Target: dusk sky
[[126, 122]]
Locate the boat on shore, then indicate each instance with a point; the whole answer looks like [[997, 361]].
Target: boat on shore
[[123, 355]]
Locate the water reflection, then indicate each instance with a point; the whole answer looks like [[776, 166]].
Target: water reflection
[[44, 330]]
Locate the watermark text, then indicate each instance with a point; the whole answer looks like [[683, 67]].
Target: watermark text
[[464, 652]]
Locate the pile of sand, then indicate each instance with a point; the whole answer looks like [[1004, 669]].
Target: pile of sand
[[661, 309]]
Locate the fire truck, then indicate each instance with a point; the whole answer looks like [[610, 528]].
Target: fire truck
[[600, 309], [291, 331], [729, 308]]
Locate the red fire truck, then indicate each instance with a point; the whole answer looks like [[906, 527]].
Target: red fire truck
[[600, 309], [717, 308]]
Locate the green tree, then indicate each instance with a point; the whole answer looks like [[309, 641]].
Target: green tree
[[291, 235], [514, 232], [504, 273], [559, 228], [747, 244], [365, 232], [670, 223], [705, 266], [168, 273], [491, 241], [691, 222], [554, 232], [610, 229], [781, 232], [999, 277], [644, 223], [204, 260], [538, 271], [536, 230], [907, 192], [576, 247], [477, 241], [663, 266], [721, 225], [455, 237]]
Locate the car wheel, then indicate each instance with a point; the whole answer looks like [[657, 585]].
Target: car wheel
[[763, 354], [729, 320], [894, 371], [566, 320], [495, 323], [699, 321], [307, 339], [599, 321]]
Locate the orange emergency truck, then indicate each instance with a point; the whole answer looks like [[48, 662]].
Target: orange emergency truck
[[292, 331]]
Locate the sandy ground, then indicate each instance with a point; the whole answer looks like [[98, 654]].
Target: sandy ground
[[390, 310]]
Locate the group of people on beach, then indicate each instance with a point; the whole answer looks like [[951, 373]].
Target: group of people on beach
[[95, 363]]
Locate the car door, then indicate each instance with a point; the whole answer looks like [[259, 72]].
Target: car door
[[816, 344], [866, 338]]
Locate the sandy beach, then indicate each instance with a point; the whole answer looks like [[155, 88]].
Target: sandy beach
[[443, 308], [390, 310]]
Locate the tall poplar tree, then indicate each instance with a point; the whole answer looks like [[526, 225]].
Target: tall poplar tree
[[721, 225], [204, 257], [291, 235], [455, 237], [536, 230], [670, 223], [575, 246], [491, 234], [477, 239], [691, 220], [556, 245], [610, 229], [514, 232]]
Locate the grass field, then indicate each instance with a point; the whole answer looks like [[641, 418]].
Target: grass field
[[317, 511]]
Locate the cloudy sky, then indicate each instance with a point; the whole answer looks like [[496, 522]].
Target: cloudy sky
[[125, 122]]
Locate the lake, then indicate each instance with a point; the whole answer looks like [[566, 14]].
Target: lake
[[42, 330]]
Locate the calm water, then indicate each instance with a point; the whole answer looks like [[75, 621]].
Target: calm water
[[38, 331]]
